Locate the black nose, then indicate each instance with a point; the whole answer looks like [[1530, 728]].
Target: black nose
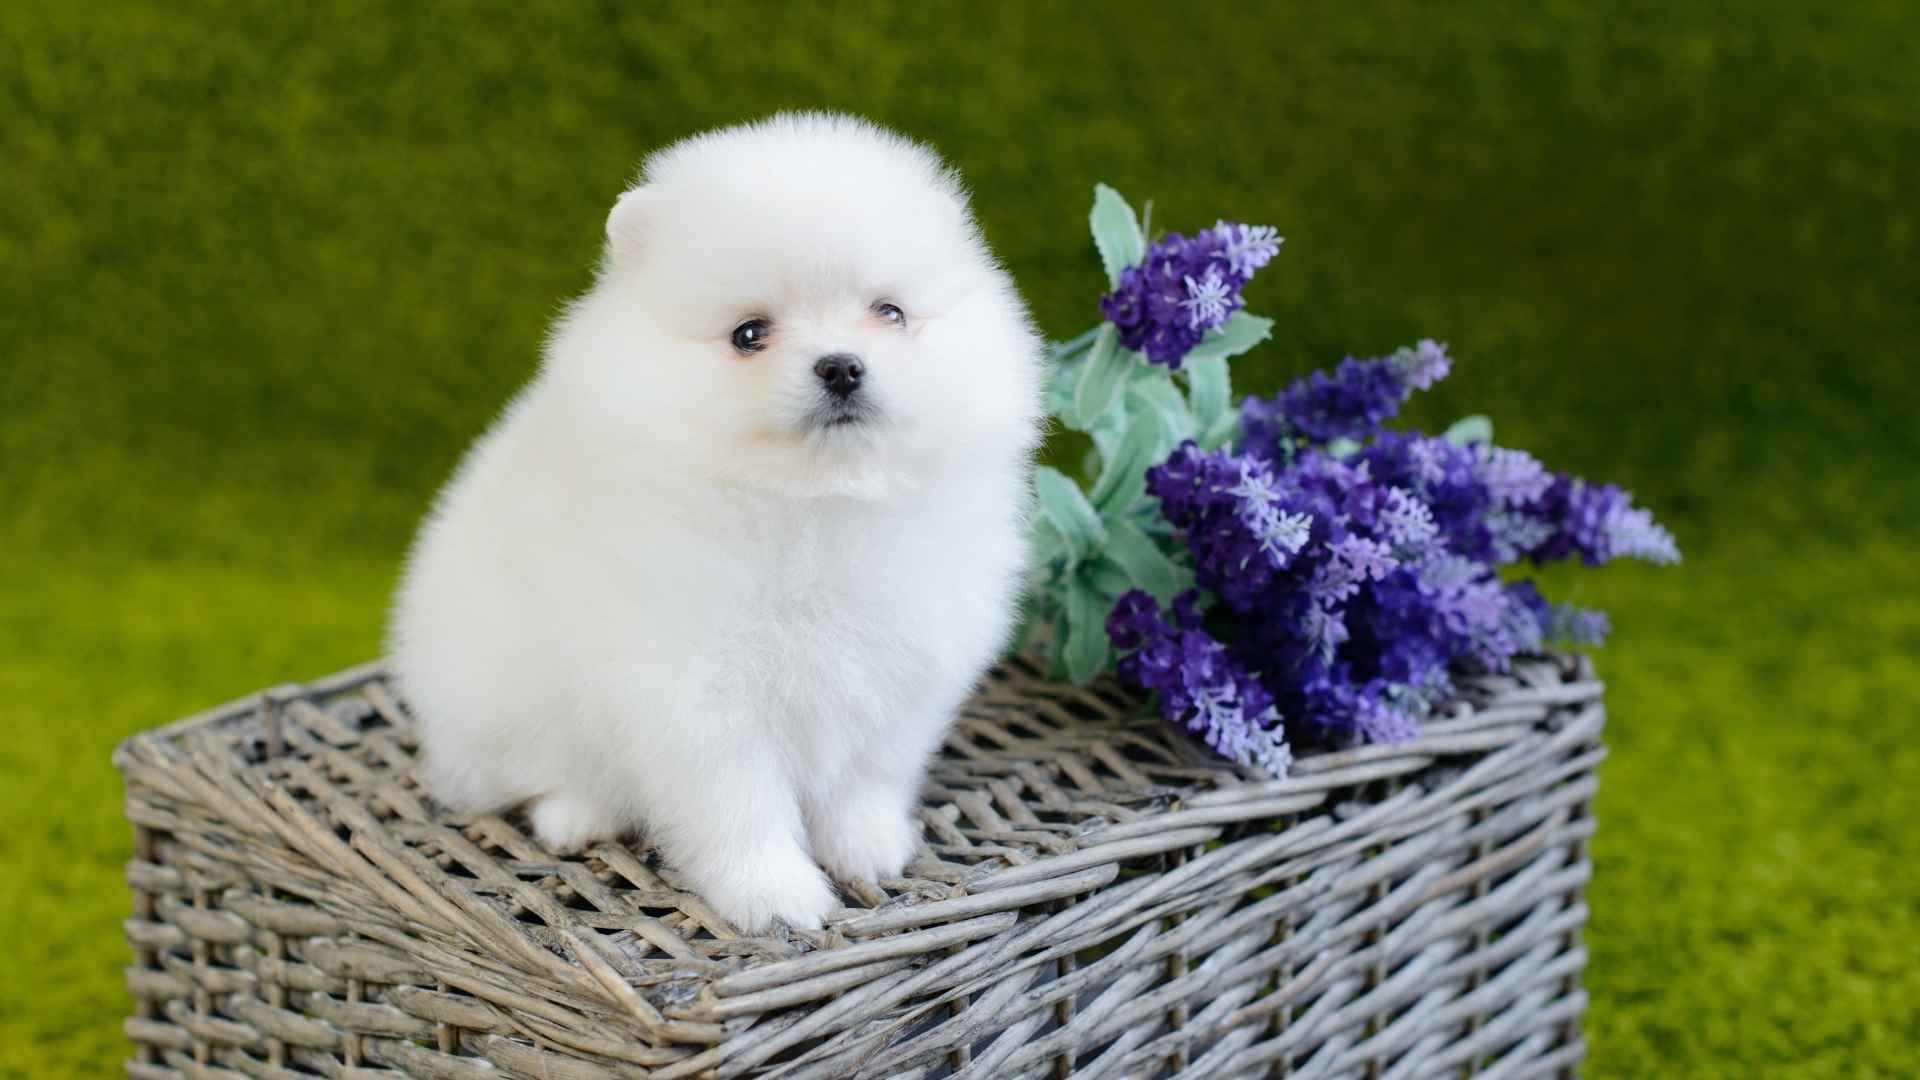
[[841, 374]]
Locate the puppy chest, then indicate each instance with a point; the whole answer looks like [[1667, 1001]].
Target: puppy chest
[[850, 637], [817, 642]]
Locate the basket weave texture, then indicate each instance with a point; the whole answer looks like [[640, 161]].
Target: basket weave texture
[[1095, 895]]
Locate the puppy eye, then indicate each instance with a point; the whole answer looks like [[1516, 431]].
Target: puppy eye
[[751, 336], [890, 312]]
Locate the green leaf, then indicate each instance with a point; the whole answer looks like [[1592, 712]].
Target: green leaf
[[1086, 648], [1047, 544], [1107, 577], [1470, 429], [1155, 392], [1116, 232], [1063, 351], [1060, 388], [1108, 366], [1342, 448], [1124, 478], [1210, 389], [1223, 431], [1145, 565], [1108, 431], [1057, 648], [1242, 332], [1062, 504]]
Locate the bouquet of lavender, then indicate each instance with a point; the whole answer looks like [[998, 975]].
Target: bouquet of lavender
[[1287, 570]]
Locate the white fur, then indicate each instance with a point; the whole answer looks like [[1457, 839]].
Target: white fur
[[653, 596]]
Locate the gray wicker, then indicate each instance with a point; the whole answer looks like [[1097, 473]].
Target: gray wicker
[[1095, 896]]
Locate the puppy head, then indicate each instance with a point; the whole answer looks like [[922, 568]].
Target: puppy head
[[805, 305]]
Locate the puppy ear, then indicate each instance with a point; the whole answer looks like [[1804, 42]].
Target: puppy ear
[[626, 225]]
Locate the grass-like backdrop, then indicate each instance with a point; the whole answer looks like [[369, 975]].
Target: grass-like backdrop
[[263, 276]]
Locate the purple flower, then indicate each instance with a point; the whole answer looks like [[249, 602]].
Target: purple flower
[[1186, 287], [1405, 520], [1382, 722], [1598, 522], [1516, 534], [1512, 477], [1632, 533], [1578, 625], [1243, 531], [1351, 562], [1526, 598], [1423, 365], [1201, 685], [1445, 478], [1209, 301], [1429, 459], [1350, 403], [1350, 588], [1263, 430], [1281, 534], [1325, 628], [1248, 247]]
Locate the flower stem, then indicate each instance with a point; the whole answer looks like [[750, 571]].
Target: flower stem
[[1067, 350]]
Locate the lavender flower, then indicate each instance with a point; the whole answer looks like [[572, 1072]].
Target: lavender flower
[[1445, 478], [1350, 588], [1577, 625], [1243, 534], [1382, 722], [1248, 247], [1324, 629], [1347, 404], [1186, 287], [1201, 685], [1263, 430], [1633, 534], [1209, 301], [1256, 486], [1351, 562], [1516, 534], [1350, 403], [1512, 477], [1598, 522], [1345, 573], [1422, 365], [1428, 457], [1281, 534], [1406, 521]]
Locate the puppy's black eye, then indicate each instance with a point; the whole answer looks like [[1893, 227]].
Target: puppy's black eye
[[891, 313], [751, 336]]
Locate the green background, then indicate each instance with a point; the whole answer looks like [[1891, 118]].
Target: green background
[[265, 275]]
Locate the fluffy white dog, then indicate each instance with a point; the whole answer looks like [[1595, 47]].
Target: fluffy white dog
[[724, 570]]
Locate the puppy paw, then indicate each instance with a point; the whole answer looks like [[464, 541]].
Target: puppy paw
[[866, 847], [754, 894], [566, 824]]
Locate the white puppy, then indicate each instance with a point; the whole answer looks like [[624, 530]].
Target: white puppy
[[724, 570]]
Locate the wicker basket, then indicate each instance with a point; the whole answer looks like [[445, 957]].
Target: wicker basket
[[1095, 896]]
